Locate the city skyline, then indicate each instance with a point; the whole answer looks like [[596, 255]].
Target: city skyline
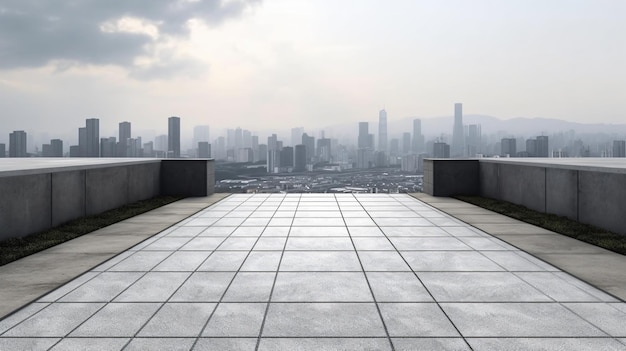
[[310, 64]]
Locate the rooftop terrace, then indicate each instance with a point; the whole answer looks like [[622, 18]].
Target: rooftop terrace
[[324, 271]]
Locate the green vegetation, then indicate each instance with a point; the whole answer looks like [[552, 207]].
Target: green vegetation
[[562, 225], [16, 248]]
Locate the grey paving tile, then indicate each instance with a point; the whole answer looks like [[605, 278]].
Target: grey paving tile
[[167, 243], [185, 231], [314, 344], [312, 231], [153, 287], [360, 222], [150, 344], [212, 213], [512, 261], [178, 320], [463, 231], [20, 315], [365, 231], [403, 222], [203, 287], [518, 320], [202, 222], [556, 288], [323, 320], [224, 261], [67, 287], [416, 320], [318, 214], [319, 243], [483, 243], [546, 344], [270, 243], [604, 316], [248, 231], [111, 262], [217, 231], [276, 232], [428, 243], [591, 290], [377, 261], [182, 261], [284, 213], [372, 243], [321, 287], [220, 344], [414, 231], [56, 320], [239, 213], [262, 261], [352, 212], [446, 222], [250, 287], [280, 222], [255, 222], [238, 243], [140, 261], [31, 344], [320, 261], [318, 222], [540, 263], [103, 288], [393, 214], [203, 243], [451, 261], [229, 222], [442, 344], [262, 214], [117, 320], [397, 287], [480, 287], [236, 320]]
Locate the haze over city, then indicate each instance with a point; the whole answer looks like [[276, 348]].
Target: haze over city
[[267, 65]]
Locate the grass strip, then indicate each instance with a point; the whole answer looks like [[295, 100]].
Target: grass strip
[[562, 225], [16, 248]]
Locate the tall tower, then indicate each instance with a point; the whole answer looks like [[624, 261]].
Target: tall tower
[[418, 138], [458, 142], [124, 135], [17, 144], [173, 136], [92, 137], [364, 140], [382, 130]]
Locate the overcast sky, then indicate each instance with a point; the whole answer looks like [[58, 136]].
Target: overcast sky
[[311, 63]]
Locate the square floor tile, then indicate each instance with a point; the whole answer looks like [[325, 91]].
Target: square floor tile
[[248, 231], [416, 320], [202, 222], [319, 243], [382, 261], [484, 244], [480, 287], [428, 243], [450, 261], [236, 320], [463, 231], [204, 243], [182, 261], [203, 287], [403, 222], [20, 315], [178, 320], [224, 261], [31, 344], [185, 231], [318, 222], [140, 261], [323, 320], [56, 320], [217, 231], [511, 261], [440, 344], [153, 287], [167, 243], [262, 261], [90, 344], [250, 287], [170, 344], [321, 287], [604, 316], [117, 320], [518, 320], [546, 344], [556, 288], [102, 288], [270, 243], [238, 243], [416, 231], [220, 344], [320, 261], [314, 344], [256, 222], [397, 287], [365, 231], [372, 243], [360, 222], [312, 231]]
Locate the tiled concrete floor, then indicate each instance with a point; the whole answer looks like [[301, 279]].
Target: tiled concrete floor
[[321, 271]]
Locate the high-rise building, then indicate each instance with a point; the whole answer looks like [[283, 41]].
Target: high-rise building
[[418, 137], [309, 143], [324, 150], [394, 147], [286, 157], [238, 138], [246, 139], [619, 148], [17, 144], [382, 130], [108, 147], [441, 150], [364, 158], [204, 149], [406, 143], [508, 147], [148, 149], [92, 137], [200, 133], [57, 147], [543, 149], [82, 142], [160, 143], [124, 134], [3, 151], [300, 158], [474, 139], [458, 142], [273, 154], [364, 136], [173, 137], [531, 147]]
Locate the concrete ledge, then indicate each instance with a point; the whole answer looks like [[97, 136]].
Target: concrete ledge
[[187, 177], [445, 177], [29, 278]]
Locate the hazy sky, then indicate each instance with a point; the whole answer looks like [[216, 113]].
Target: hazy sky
[[311, 63]]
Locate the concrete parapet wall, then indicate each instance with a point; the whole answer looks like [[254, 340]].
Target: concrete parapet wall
[[39, 198], [589, 194]]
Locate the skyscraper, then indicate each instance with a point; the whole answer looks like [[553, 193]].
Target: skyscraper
[[124, 135], [619, 148], [57, 147], [382, 130], [300, 158], [92, 137], [441, 150], [17, 144], [458, 142], [204, 149], [364, 138], [474, 140], [200, 133], [3, 151], [309, 143], [543, 149], [406, 143], [173, 137], [508, 147], [418, 138]]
